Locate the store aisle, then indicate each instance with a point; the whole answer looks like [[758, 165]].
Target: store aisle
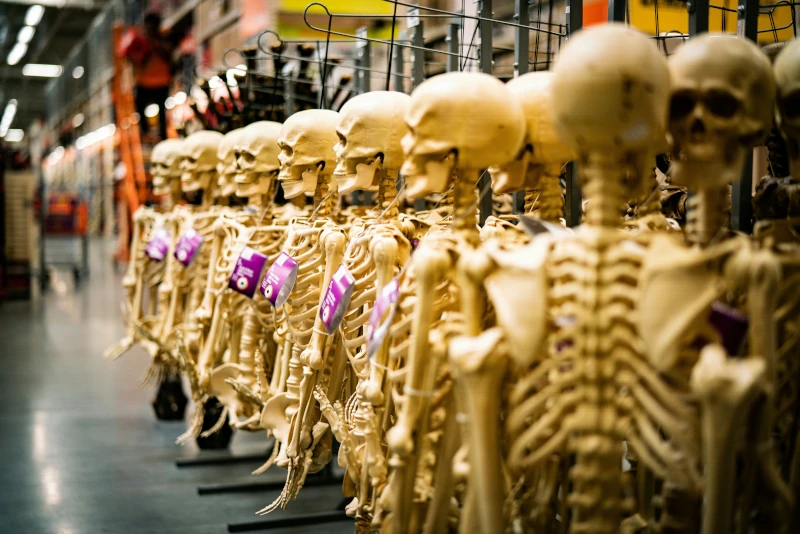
[[81, 450]]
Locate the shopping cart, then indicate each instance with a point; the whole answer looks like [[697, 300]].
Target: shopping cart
[[65, 235]]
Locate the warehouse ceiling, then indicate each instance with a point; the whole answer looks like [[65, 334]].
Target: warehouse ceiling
[[63, 25]]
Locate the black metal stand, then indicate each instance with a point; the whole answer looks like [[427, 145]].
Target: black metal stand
[[203, 461], [323, 478], [297, 521]]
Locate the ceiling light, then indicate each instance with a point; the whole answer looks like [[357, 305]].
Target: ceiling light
[[151, 111], [34, 15], [8, 117], [16, 53], [42, 71], [26, 34], [180, 98], [230, 78], [77, 72], [77, 120], [14, 136]]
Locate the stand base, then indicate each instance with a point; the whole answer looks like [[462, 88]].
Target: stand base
[[296, 521], [220, 439], [201, 461], [170, 401]]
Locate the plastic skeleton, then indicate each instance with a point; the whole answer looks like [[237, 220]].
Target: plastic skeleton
[[566, 357], [537, 168], [141, 270], [441, 144], [310, 359], [787, 314], [239, 382], [722, 105], [165, 166], [369, 154], [198, 160]]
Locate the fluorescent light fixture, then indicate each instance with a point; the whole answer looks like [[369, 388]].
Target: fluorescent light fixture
[[77, 120], [180, 98], [77, 72], [15, 135], [8, 117], [151, 111], [26, 34], [16, 53], [34, 15], [96, 136], [169, 103], [42, 71]]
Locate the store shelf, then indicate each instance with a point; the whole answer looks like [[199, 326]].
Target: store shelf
[[229, 18], [179, 14]]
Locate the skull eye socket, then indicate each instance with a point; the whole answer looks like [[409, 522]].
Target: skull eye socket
[[721, 104], [791, 106], [681, 105], [286, 151]]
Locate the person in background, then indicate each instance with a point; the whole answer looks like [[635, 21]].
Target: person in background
[[153, 71]]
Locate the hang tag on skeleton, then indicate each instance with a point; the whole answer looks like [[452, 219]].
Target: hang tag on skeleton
[[535, 227], [378, 327], [337, 299], [279, 280], [731, 325], [188, 244], [158, 246], [247, 272]]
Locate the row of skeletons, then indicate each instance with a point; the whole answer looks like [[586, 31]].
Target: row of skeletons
[[615, 378]]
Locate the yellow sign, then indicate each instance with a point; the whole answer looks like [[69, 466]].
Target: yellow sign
[[660, 17]]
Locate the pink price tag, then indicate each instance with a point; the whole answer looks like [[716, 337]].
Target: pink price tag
[[247, 272], [158, 246], [279, 280], [337, 299], [187, 246]]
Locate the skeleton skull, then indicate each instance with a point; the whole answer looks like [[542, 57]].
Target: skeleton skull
[[616, 108], [787, 76], [165, 165], [226, 164], [543, 151], [463, 120], [370, 128], [199, 160], [723, 94], [306, 141], [256, 157]]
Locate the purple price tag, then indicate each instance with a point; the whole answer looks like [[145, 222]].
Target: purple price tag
[[337, 298], [187, 246], [247, 272], [279, 280], [158, 246], [731, 325], [386, 298], [379, 319]]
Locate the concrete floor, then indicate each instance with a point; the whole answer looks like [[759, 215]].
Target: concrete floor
[[81, 450]]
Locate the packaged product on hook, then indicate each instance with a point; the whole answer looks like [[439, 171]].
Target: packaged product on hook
[[187, 246], [158, 246], [379, 319], [279, 280], [337, 299], [247, 272]]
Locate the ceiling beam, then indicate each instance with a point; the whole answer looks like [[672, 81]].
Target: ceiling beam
[[78, 4]]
